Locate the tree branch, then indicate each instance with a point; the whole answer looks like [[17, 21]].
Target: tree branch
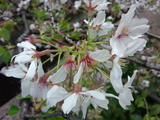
[[25, 105], [26, 32], [57, 31], [143, 64], [58, 113], [150, 95], [153, 35]]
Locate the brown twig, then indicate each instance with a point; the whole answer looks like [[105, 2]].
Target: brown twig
[[143, 64], [153, 35], [57, 31], [26, 32], [150, 95], [25, 108], [58, 113]]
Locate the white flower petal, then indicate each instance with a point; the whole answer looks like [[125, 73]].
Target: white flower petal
[[39, 91], [59, 76], [125, 98], [86, 2], [102, 6], [69, 103], [25, 87], [13, 71], [45, 109], [93, 33], [100, 55], [111, 95], [26, 44], [100, 18], [23, 59], [85, 105], [94, 93], [77, 4], [116, 76], [101, 103], [56, 94], [130, 80], [31, 71], [138, 31], [40, 70], [134, 46], [79, 73]]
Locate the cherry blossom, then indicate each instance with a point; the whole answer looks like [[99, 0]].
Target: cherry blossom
[[77, 4], [53, 4], [27, 57], [128, 33], [54, 95], [125, 97], [61, 74], [98, 26], [7, 15], [13, 71], [90, 59], [94, 97], [97, 5]]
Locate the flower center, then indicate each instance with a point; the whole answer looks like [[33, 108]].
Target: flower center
[[88, 60], [123, 33]]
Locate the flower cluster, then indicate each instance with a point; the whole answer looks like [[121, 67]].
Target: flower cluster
[[23, 4], [151, 5], [71, 85]]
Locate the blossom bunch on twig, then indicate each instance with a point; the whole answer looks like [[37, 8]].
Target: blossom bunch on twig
[[71, 85]]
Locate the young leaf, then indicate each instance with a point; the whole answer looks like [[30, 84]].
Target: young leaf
[[13, 110], [6, 57], [20, 97], [5, 34], [2, 50], [9, 25], [155, 109]]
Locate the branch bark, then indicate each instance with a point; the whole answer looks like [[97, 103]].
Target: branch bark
[[143, 64], [58, 32], [150, 95], [26, 32], [25, 106], [58, 113], [153, 35]]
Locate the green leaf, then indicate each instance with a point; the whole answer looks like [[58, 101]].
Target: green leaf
[[2, 50], [5, 34], [40, 14], [144, 94], [86, 83], [139, 102], [136, 117], [75, 35], [9, 25], [6, 56], [146, 117], [19, 19], [13, 110], [20, 97], [155, 109], [2, 5]]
